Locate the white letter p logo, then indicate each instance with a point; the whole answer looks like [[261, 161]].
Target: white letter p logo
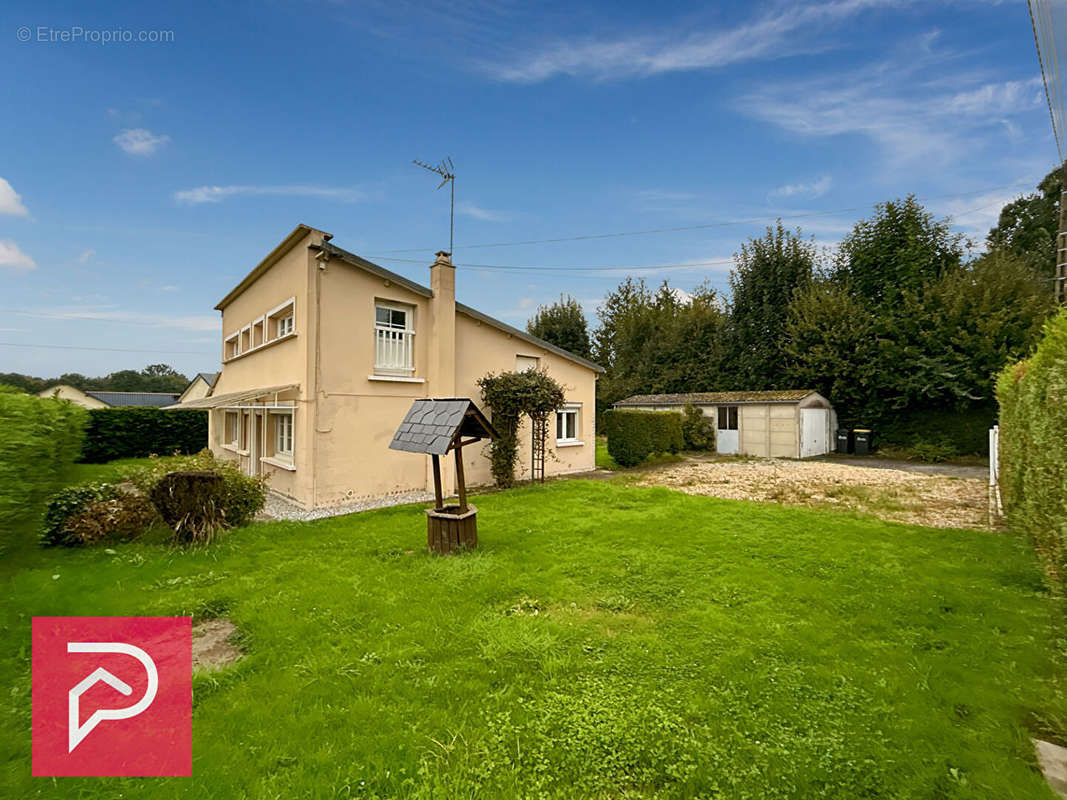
[[76, 732]]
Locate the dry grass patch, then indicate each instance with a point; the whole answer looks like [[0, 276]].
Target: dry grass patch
[[213, 647], [895, 495]]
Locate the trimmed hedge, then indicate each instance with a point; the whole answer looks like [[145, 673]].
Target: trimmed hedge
[[954, 433], [635, 435], [42, 436], [140, 432], [1033, 446]]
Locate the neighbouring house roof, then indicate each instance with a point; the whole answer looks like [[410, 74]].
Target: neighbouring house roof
[[206, 377], [232, 398], [717, 398], [135, 399], [432, 425]]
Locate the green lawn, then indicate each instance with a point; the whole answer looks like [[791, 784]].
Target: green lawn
[[603, 641]]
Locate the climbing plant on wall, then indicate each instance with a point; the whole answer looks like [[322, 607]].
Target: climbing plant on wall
[[509, 395]]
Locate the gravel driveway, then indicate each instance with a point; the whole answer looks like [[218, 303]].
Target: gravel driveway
[[899, 495]]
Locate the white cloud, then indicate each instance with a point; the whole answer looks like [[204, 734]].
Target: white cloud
[[785, 31], [186, 322], [12, 256], [10, 202], [140, 141], [86, 255], [216, 194], [168, 288], [484, 214], [813, 189]]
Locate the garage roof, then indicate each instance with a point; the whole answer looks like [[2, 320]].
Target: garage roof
[[717, 398]]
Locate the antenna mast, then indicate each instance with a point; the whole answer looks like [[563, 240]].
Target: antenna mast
[[447, 171]]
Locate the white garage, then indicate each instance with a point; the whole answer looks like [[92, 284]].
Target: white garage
[[784, 423]]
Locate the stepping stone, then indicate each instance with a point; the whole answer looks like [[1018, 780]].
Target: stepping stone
[[1053, 761]]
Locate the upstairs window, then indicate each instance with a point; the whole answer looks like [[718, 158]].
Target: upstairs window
[[281, 321], [232, 347], [394, 339], [525, 363], [285, 325]]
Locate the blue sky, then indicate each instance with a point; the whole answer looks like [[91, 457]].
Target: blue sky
[[142, 180]]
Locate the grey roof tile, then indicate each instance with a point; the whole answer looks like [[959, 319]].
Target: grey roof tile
[[431, 425]]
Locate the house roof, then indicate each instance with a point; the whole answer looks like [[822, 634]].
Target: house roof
[[715, 398], [432, 425], [473, 313], [207, 377], [230, 399], [300, 231], [135, 399]]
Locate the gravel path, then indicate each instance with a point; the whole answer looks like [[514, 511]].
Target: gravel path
[[893, 494], [278, 508]]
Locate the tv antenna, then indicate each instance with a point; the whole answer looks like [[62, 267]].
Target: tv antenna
[[447, 171]]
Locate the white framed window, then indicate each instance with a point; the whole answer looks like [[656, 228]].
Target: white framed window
[[567, 424], [232, 429], [281, 320], [394, 339], [524, 363], [283, 436], [232, 345], [727, 418]]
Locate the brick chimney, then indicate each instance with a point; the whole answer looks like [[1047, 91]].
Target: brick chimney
[[442, 350]]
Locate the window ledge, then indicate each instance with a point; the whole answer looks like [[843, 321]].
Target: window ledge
[[259, 347], [570, 443], [274, 462], [395, 379], [235, 449]]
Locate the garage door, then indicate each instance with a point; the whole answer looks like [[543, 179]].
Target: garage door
[[814, 432]]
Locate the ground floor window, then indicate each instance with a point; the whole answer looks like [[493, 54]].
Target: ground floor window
[[283, 435], [567, 424], [232, 429], [727, 418]]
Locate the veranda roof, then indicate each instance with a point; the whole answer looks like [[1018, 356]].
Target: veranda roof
[[232, 398]]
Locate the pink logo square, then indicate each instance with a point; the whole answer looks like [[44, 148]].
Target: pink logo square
[[112, 696]]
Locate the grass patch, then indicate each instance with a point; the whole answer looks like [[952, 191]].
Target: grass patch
[[602, 642]]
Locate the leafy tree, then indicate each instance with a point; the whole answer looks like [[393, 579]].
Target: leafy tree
[[901, 247], [768, 271], [1027, 227], [563, 324]]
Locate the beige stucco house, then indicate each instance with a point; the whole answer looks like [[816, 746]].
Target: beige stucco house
[[323, 353], [783, 423]]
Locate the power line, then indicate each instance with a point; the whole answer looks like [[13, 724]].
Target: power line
[[107, 349], [703, 226], [60, 316]]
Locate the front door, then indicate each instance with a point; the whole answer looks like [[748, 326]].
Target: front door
[[727, 433], [814, 432]]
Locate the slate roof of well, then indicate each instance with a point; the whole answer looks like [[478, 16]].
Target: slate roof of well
[[432, 424], [715, 398], [135, 399]]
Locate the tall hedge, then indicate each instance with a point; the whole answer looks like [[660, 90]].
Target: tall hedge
[[139, 432], [963, 432], [42, 436], [1033, 445], [635, 435]]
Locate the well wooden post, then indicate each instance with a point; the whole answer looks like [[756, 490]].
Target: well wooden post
[[439, 502], [461, 483]]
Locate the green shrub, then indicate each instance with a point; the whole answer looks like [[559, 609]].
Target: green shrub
[[124, 517], [244, 495], [1033, 446], [964, 432], [68, 503], [139, 432], [191, 503], [931, 453], [508, 396], [42, 437], [697, 429], [634, 435]]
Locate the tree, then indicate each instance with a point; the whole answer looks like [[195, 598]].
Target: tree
[[1027, 227], [767, 273], [901, 247], [563, 324]]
